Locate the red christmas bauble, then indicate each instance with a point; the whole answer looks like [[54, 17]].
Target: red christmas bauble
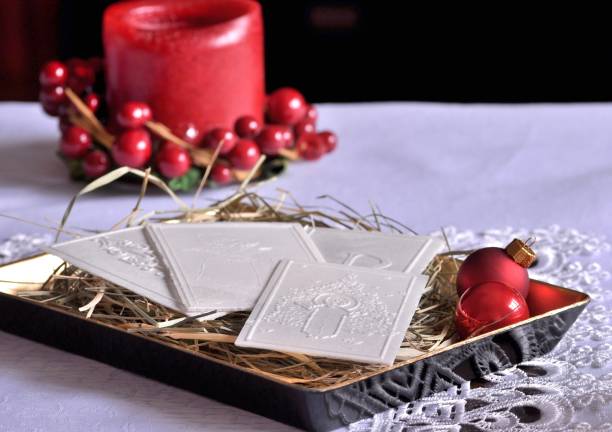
[[492, 264], [489, 306]]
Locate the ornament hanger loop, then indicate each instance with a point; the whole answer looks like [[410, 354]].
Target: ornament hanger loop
[[531, 240]]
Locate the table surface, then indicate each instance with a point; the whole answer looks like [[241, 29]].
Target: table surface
[[473, 167]]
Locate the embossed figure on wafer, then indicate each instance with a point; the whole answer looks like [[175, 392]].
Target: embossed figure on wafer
[[329, 313]]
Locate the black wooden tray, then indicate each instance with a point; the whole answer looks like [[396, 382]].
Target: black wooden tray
[[312, 409]]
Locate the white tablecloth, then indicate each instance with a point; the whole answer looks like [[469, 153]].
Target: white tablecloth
[[428, 165]]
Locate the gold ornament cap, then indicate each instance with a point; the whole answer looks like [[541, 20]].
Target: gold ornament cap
[[521, 252]]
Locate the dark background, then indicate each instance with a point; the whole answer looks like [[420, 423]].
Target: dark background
[[363, 51]]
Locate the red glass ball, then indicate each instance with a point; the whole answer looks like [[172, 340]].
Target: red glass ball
[[273, 138], [330, 140], [96, 163], [132, 148], [189, 133], [247, 127], [81, 75], [221, 173], [492, 264], [75, 142], [92, 100], [134, 114], [172, 160], [53, 73], [245, 154], [489, 306], [305, 125], [310, 146], [286, 106], [215, 136]]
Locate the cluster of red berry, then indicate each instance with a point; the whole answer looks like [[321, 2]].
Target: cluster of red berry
[[290, 129]]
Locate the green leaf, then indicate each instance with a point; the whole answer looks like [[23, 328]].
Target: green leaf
[[75, 168], [187, 182], [273, 167]]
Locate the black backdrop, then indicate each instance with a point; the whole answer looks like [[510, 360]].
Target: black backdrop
[[385, 50]]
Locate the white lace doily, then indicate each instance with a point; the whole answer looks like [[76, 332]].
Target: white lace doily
[[569, 389]]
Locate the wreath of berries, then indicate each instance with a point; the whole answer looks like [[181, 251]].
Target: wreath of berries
[[72, 92]]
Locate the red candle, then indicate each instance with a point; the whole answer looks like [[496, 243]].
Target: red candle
[[192, 61]]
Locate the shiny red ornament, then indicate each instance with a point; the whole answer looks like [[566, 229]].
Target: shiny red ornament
[[134, 114], [330, 140], [214, 138], [492, 264], [273, 138], [221, 173], [132, 148], [310, 146], [247, 127], [489, 306], [95, 164], [53, 73], [172, 160], [286, 106], [245, 154], [75, 142]]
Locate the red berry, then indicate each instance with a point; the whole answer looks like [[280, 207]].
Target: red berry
[[53, 73], [81, 75], [330, 140], [75, 142], [245, 154], [215, 136], [53, 95], [92, 100], [189, 133], [286, 106], [310, 146], [305, 125], [132, 148], [311, 113], [288, 136], [247, 127], [64, 124], [272, 139], [134, 114], [97, 63], [172, 160], [221, 173], [96, 163]]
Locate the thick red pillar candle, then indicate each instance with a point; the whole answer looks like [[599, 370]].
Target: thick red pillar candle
[[193, 61]]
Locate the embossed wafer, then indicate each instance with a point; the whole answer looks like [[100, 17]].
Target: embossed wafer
[[334, 311]]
